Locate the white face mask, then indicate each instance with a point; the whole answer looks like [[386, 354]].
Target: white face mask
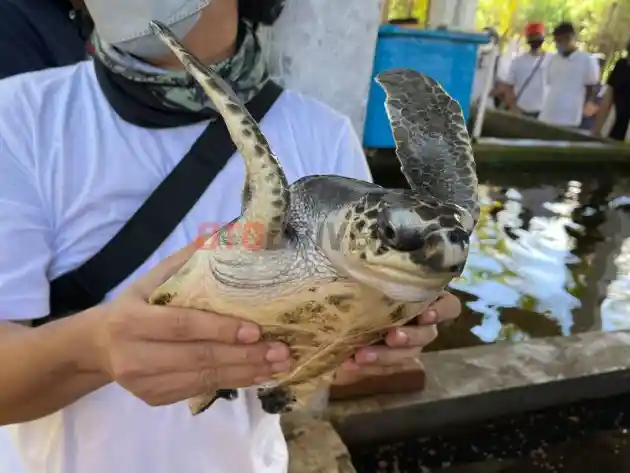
[[125, 23]]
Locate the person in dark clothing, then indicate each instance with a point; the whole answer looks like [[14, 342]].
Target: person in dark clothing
[[592, 108], [38, 34], [617, 94]]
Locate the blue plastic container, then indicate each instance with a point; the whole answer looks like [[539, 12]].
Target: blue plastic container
[[449, 57]]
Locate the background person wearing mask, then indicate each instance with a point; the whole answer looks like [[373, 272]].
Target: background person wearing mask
[[82, 147], [572, 77], [525, 84], [618, 94]]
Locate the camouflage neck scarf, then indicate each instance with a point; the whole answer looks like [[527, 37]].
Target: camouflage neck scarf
[[130, 83]]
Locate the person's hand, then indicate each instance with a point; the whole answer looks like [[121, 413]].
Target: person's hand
[[590, 109], [402, 345], [516, 111], [164, 355]]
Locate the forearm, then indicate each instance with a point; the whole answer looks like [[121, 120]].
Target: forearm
[[45, 369]]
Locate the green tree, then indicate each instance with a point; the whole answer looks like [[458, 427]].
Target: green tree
[[591, 17], [612, 33], [406, 8]]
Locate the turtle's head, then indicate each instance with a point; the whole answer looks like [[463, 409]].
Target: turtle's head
[[402, 245]]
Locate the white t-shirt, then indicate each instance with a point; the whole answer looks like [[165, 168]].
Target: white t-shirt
[[567, 79], [71, 174], [531, 98]]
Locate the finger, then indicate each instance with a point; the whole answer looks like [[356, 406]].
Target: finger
[[173, 324], [383, 355], [447, 307], [411, 336], [155, 358], [162, 271], [240, 376]]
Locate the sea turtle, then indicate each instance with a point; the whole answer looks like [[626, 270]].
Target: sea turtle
[[328, 264]]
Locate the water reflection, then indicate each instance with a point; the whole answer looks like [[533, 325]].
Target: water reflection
[[615, 309], [547, 259]]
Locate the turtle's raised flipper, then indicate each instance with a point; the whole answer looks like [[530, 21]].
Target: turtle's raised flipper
[[432, 142], [266, 199], [201, 404]]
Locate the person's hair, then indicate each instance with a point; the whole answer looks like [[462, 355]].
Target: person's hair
[[566, 27], [261, 12]]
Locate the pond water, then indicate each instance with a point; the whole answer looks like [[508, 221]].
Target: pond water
[[550, 256]]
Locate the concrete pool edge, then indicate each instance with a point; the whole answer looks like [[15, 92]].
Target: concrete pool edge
[[479, 383], [501, 153]]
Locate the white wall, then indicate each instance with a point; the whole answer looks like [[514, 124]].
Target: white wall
[[456, 14], [325, 48]]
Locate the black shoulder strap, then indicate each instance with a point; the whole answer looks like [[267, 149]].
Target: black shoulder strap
[[87, 285]]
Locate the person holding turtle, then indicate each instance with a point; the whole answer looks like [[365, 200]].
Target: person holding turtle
[[110, 157]]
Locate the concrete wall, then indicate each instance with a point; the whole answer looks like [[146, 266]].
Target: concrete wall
[[325, 48]]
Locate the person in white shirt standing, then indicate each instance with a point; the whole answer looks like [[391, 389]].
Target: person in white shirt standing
[[572, 77], [525, 83]]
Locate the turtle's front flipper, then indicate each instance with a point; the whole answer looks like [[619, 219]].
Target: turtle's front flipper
[[201, 404], [266, 196], [432, 142]]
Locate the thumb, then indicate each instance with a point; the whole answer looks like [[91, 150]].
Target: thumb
[[159, 274]]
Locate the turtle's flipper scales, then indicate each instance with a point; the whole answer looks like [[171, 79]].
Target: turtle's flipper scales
[[432, 142]]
